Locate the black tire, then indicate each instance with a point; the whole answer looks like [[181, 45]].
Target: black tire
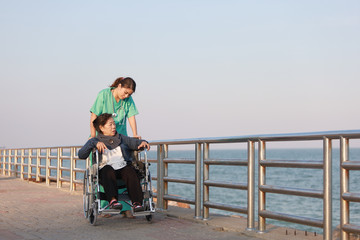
[[93, 216], [86, 194], [149, 218]]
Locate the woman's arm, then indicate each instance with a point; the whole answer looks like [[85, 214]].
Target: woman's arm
[[134, 143], [132, 122], [92, 128], [85, 151]]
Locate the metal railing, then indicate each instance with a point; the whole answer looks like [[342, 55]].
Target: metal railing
[[37, 164], [9, 165], [345, 196]]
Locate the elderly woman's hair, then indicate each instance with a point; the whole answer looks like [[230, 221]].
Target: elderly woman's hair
[[101, 121], [125, 82]]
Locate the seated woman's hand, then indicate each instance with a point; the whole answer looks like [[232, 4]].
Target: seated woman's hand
[[101, 147], [144, 145]]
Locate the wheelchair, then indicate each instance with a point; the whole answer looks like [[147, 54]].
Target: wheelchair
[[94, 200]]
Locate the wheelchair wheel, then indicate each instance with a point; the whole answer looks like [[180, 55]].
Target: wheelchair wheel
[[86, 194], [148, 218], [93, 214]]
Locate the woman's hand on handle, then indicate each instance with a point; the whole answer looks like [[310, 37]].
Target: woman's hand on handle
[[144, 145], [101, 147]]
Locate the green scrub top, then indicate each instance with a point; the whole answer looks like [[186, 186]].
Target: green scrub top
[[106, 103]]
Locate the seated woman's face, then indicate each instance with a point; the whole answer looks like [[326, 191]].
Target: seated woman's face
[[109, 129]]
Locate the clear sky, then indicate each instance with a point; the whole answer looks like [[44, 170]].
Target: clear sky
[[203, 68]]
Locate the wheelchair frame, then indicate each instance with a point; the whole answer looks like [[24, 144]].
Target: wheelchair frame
[[91, 193]]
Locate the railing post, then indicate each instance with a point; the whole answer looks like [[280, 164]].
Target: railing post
[[160, 177], [9, 162], [344, 188], [58, 170], [29, 164], [205, 178], [327, 189], [251, 187], [15, 163], [12, 163], [22, 164], [3, 161], [262, 178], [72, 176], [47, 164], [166, 174], [38, 165], [198, 181]]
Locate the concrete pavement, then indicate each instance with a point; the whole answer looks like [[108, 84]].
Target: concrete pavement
[[31, 210]]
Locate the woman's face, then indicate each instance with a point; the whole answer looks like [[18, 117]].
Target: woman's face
[[124, 92], [109, 129]]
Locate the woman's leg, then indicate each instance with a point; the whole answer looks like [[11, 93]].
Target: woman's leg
[[108, 181], [132, 182]]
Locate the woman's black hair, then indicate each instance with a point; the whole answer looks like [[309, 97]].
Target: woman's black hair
[[125, 82], [101, 121]]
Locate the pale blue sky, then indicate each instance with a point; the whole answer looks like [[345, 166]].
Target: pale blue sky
[[203, 68]]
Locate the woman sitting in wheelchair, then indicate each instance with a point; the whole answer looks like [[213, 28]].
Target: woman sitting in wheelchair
[[116, 161]]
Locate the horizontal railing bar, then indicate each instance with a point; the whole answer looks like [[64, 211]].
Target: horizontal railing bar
[[52, 167], [231, 162], [292, 191], [224, 184], [179, 180], [65, 179], [292, 164], [226, 207], [353, 197], [351, 228], [79, 170], [179, 160], [78, 181], [178, 199], [351, 165], [266, 137], [292, 218], [65, 168]]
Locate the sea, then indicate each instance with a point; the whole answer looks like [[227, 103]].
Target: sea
[[284, 177]]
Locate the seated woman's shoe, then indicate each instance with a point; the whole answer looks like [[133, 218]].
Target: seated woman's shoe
[[115, 205], [137, 207]]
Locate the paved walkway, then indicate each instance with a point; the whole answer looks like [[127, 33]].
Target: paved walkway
[[35, 211]]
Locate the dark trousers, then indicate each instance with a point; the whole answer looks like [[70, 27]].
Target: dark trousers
[[108, 177]]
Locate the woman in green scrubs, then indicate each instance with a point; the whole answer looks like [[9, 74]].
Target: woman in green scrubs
[[117, 101]]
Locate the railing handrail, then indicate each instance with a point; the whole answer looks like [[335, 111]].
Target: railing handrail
[[266, 137], [242, 138]]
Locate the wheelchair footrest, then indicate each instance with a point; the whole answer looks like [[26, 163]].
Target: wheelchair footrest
[[143, 213], [111, 211]]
